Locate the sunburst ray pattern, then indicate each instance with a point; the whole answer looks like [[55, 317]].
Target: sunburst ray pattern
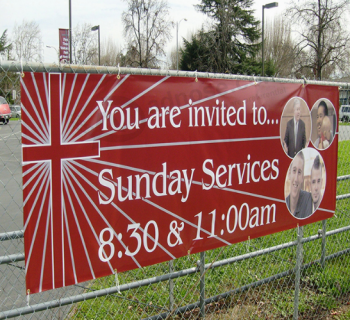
[[121, 173]]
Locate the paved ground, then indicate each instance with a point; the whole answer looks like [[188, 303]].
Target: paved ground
[[12, 276], [10, 177]]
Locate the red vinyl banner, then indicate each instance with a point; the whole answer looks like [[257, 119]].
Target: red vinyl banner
[[121, 172], [63, 35]]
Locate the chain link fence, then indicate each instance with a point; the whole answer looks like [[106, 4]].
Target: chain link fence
[[303, 273]]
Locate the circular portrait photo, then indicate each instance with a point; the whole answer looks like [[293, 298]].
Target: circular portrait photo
[[324, 123], [295, 126], [305, 183]]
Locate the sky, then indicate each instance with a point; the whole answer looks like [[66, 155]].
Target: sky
[[54, 14]]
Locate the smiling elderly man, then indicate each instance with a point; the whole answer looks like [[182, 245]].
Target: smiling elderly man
[[295, 137], [299, 202]]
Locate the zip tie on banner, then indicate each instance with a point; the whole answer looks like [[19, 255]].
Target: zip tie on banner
[[28, 297], [22, 73], [248, 243], [118, 76], [304, 81], [196, 79], [117, 280]]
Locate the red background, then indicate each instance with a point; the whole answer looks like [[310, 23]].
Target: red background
[[77, 237]]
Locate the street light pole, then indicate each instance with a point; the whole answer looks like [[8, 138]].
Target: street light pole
[[58, 56], [94, 29], [177, 43], [70, 32], [265, 6]]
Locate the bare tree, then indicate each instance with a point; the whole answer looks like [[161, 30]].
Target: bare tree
[[110, 53], [323, 36], [171, 58], [27, 42], [147, 29], [279, 47], [84, 45]]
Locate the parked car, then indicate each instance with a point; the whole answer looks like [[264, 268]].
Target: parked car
[[344, 113], [5, 112], [16, 111]]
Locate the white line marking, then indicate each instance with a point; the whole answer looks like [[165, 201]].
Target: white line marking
[[187, 143]]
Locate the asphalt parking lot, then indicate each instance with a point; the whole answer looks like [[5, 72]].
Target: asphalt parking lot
[[12, 276], [10, 177]]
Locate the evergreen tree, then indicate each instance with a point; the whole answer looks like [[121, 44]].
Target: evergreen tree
[[5, 47], [231, 44], [196, 53], [9, 80]]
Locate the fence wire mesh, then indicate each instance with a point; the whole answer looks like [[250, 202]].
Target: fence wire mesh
[[257, 279]]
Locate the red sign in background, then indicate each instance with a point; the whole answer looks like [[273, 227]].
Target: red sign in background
[[63, 35], [123, 173]]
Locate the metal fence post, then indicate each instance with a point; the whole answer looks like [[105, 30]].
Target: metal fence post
[[323, 246], [202, 285], [171, 286], [297, 271]]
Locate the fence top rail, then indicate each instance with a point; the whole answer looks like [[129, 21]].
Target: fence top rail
[[17, 66], [18, 234]]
